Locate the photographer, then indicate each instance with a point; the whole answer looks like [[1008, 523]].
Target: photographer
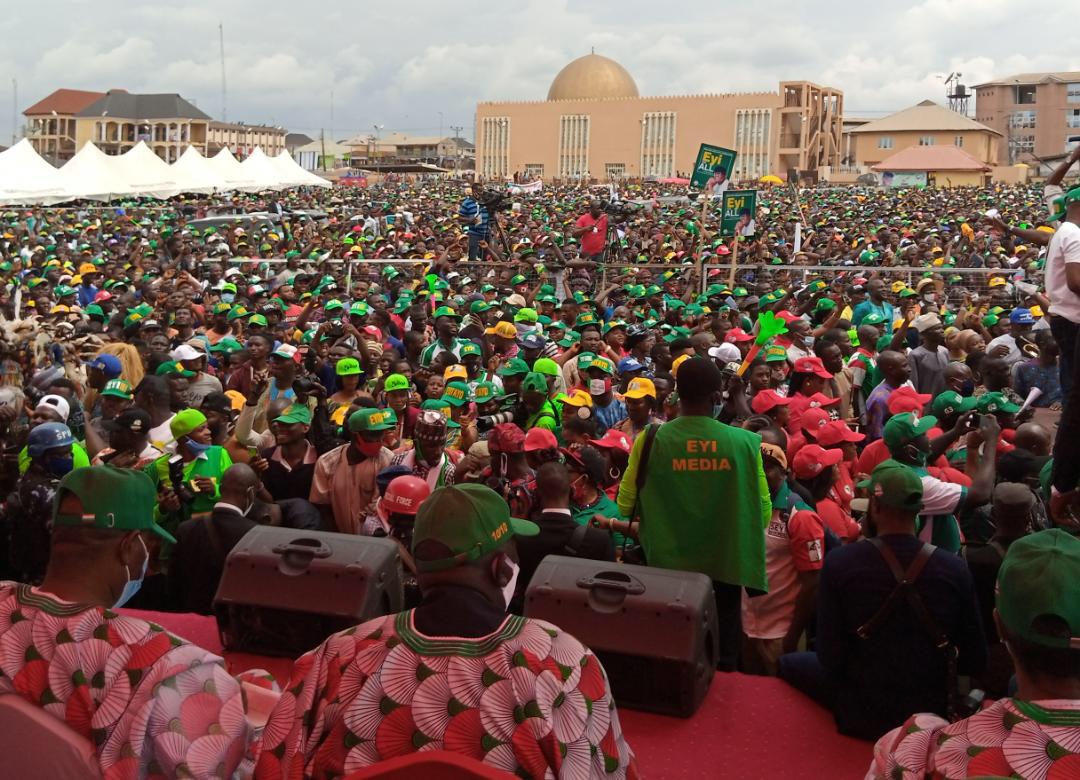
[[591, 229], [476, 216]]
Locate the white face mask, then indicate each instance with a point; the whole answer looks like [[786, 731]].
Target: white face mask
[[597, 387], [508, 588]]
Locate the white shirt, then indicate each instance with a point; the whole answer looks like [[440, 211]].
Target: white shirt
[[1064, 248], [1006, 340]]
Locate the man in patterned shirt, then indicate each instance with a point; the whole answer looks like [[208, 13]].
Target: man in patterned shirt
[[457, 673], [150, 702], [1036, 734]]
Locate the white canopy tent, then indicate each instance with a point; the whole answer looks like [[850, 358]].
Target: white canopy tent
[[194, 173], [93, 175], [145, 173], [26, 178], [262, 172], [292, 174], [232, 176]]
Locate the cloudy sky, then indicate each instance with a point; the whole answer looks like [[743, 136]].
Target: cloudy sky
[[399, 64]]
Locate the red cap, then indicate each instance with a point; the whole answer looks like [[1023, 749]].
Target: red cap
[[811, 460], [812, 365], [835, 432], [723, 250], [506, 437], [907, 399], [102, 296], [540, 439], [616, 440], [820, 399], [787, 316], [371, 330], [813, 420], [766, 400], [737, 334]]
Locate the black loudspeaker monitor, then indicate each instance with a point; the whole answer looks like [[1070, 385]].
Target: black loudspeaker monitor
[[654, 630], [284, 591]]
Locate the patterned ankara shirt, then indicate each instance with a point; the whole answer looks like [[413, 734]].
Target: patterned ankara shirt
[[152, 704], [1010, 738], [527, 698]]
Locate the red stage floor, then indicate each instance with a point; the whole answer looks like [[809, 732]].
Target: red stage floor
[[748, 727]]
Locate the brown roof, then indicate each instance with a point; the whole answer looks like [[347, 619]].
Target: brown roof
[[1033, 78], [928, 116], [931, 158], [64, 101]]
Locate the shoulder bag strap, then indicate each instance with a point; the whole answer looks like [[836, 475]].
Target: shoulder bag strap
[[576, 538], [643, 466]]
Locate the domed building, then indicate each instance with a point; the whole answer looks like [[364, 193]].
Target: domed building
[[594, 124]]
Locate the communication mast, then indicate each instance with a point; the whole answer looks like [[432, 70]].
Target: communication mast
[[956, 93]]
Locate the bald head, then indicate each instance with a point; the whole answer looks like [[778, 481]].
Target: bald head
[[238, 484], [1034, 438]]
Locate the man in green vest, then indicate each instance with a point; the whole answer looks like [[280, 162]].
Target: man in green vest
[[704, 503]]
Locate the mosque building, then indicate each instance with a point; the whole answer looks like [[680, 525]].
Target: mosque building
[[594, 124]]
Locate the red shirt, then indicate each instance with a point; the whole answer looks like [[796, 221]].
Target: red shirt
[[592, 243], [837, 520]]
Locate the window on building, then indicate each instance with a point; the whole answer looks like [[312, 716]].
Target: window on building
[[1071, 142], [958, 140], [1023, 143], [658, 144], [1024, 94], [1023, 119], [885, 142], [614, 170], [573, 146], [495, 157], [1072, 118], [926, 140], [534, 171], [753, 142], [1072, 92]]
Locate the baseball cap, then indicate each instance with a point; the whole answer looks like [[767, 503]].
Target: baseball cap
[[456, 393], [347, 366], [456, 371], [1036, 582], [813, 420], [118, 388], [98, 488], [372, 420], [628, 364], [766, 400], [540, 439], [726, 352], [615, 440], [835, 432], [531, 341], [904, 427], [484, 392], [216, 402], [502, 329], [297, 413], [926, 321], [184, 422], [287, 351], [534, 383], [131, 419], [546, 366], [812, 365], [811, 460], [395, 382], [470, 521], [775, 354], [173, 367], [951, 402], [109, 365], [775, 452], [186, 352], [57, 403], [601, 363], [578, 398], [446, 311], [640, 387], [895, 485], [873, 318], [907, 399], [996, 403], [820, 399]]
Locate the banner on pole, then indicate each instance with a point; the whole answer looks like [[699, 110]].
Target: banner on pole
[[712, 170], [738, 213]]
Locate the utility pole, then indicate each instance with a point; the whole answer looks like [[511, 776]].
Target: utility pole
[[456, 130], [331, 113], [322, 157], [224, 99], [14, 109]]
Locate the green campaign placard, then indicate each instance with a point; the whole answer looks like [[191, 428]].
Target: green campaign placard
[[712, 170], [738, 213]]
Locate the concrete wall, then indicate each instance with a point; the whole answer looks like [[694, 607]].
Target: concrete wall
[[994, 104], [980, 144]]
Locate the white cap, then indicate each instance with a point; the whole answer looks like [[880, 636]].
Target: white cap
[[926, 321], [285, 351], [57, 403], [232, 272], [186, 352], [727, 353]]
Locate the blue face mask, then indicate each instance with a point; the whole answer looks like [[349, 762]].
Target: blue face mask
[[58, 467], [227, 297], [967, 388], [131, 587], [197, 448]]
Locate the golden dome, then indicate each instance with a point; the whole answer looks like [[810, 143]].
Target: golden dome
[[592, 77]]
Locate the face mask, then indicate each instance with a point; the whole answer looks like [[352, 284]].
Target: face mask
[[967, 388], [131, 587], [599, 386], [917, 456], [197, 448], [508, 588], [227, 297], [808, 341], [251, 503], [58, 467], [369, 449]]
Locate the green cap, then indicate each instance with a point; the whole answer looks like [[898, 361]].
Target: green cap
[[996, 403], [534, 382], [514, 367], [479, 307], [517, 279], [951, 402], [173, 367], [93, 310], [602, 363], [333, 305], [570, 339], [546, 366], [347, 366], [470, 521], [905, 427], [395, 382], [258, 319], [895, 485], [185, 421], [775, 354], [1036, 585], [484, 392], [526, 315], [227, 345], [297, 413], [584, 319], [825, 304], [470, 348], [372, 420], [446, 311], [118, 388], [873, 318], [358, 309], [98, 487], [456, 393], [443, 407]]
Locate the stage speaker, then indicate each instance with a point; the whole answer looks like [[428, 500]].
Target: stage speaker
[[284, 590], [654, 630]]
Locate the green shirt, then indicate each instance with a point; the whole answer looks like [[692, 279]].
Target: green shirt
[[705, 503], [602, 506], [545, 417], [79, 458], [214, 465]]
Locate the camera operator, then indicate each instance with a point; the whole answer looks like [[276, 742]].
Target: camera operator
[[591, 229], [476, 216]]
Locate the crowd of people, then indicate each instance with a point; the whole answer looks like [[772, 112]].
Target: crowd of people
[[846, 421]]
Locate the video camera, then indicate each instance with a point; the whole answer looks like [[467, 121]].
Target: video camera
[[176, 480], [494, 201], [618, 209]]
